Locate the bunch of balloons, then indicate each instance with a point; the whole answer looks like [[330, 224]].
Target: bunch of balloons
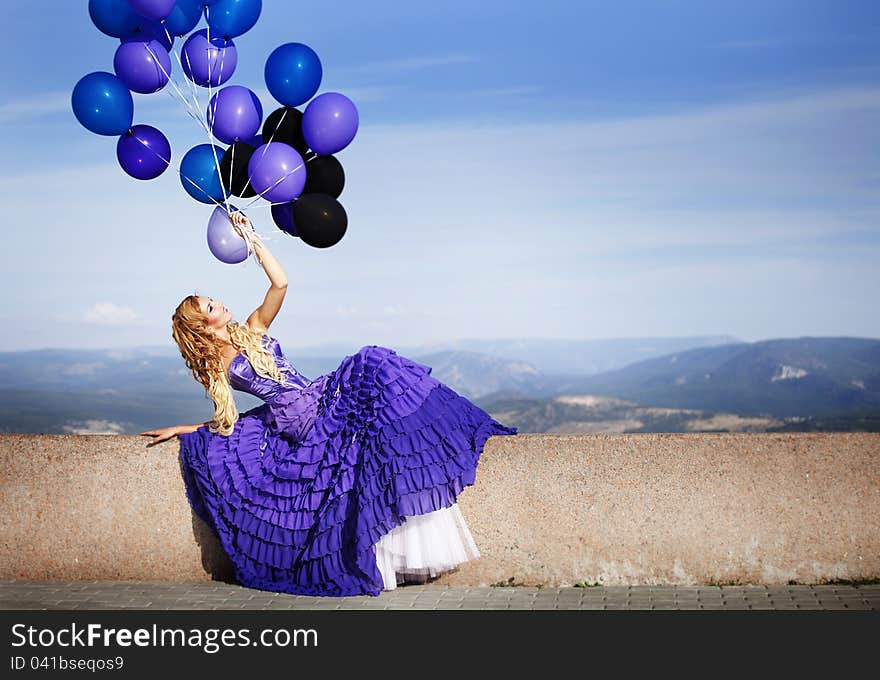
[[244, 156]]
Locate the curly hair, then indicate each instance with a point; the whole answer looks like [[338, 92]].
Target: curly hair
[[203, 357]]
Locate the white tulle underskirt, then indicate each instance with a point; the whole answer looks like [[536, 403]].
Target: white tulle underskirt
[[424, 546]]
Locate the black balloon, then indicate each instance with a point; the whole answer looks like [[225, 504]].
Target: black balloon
[[234, 170], [285, 125], [320, 220], [324, 175]]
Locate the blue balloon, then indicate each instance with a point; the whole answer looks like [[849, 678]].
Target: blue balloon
[[115, 18], [231, 18], [184, 17], [293, 73], [102, 104], [199, 174]]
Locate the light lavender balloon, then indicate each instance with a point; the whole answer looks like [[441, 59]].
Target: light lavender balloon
[[277, 172], [223, 240], [329, 123], [208, 62]]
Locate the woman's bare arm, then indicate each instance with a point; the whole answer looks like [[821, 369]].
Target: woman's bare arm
[[262, 317], [164, 433], [186, 429]]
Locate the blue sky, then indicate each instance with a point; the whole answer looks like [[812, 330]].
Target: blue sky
[[568, 170]]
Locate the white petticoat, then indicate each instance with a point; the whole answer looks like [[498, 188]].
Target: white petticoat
[[424, 546]]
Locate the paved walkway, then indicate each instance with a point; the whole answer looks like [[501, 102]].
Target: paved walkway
[[80, 595]]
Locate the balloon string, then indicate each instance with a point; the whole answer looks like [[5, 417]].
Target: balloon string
[[191, 86], [173, 84], [168, 164], [265, 149], [204, 126], [231, 166], [249, 237], [214, 111], [284, 177]]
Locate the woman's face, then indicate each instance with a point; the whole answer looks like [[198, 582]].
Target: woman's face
[[216, 314]]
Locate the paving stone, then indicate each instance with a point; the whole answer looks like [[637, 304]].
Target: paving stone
[[81, 595]]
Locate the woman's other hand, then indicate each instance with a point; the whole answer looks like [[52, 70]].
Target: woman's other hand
[[162, 434]]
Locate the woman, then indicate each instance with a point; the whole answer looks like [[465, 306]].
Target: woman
[[342, 485]]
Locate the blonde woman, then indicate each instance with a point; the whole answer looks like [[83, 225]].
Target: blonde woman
[[346, 484]]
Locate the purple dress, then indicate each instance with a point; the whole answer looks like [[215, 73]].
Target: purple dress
[[311, 479]]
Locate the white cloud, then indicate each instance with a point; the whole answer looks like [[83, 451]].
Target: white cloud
[[110, 314], [93, 426], [34, 105]]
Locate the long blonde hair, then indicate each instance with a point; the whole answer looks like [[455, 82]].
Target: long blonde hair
[[202, 355]]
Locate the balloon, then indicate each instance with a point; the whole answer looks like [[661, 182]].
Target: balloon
[[184, 16], [223, 240], [149, 30], [143, 66], [320, 220], [152, 9], [198, 173], [102, 104], [285, 125], [143, 152], [325, 176], [113, 17], [208, 61], [277, 172], [293, 73], [234, 170], [282, 215], [330, 122], [231, 18], [234, 113]]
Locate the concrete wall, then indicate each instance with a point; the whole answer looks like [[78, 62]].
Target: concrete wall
[[551, 509]]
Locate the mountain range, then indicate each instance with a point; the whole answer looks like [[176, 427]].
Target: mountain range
[[687, 384]]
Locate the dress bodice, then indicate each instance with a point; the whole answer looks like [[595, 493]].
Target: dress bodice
[[244, 378]]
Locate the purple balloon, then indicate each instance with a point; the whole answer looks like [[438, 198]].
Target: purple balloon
[[282, 215], [329, 123], [234, 113], [149, 30], [223, 240], [208, 61], [143, 152], [143, 66], [153, 9], [277, 172]]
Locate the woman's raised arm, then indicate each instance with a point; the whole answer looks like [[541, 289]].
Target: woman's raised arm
[[263, 315]]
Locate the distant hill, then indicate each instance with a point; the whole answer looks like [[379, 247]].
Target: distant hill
[[808, 376], [568, 357], [775, 385], [591, 414]]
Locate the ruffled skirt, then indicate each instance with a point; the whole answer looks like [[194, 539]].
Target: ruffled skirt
[[424, 546], [328, 489]]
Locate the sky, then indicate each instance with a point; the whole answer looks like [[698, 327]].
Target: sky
[[567, 170]]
